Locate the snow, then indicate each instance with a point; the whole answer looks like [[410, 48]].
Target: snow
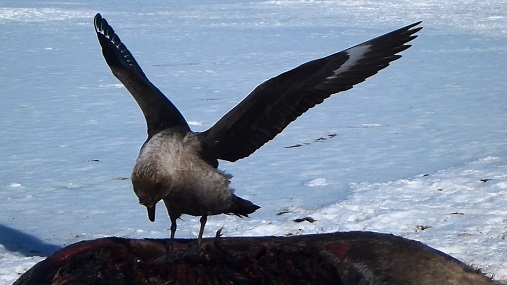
[[418, 150]]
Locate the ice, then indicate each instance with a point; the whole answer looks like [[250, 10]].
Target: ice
[[418, 150]]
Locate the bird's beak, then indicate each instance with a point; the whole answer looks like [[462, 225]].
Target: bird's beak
[[151, 212]]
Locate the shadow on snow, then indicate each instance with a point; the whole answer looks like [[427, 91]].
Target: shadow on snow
[[25, 244]]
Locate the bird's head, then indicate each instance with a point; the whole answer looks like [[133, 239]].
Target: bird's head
[[149, 191]]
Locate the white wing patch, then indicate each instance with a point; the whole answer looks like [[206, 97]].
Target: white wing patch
[[355, 54]]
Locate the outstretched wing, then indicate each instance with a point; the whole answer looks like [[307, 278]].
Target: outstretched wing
[[280, 100], [158, 111]]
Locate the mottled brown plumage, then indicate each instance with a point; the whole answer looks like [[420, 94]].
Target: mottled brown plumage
[[179, 166]]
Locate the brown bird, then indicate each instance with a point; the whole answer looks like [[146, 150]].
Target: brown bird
[[179, 166]]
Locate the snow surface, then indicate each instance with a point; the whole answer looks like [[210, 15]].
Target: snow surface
[[419, 150]]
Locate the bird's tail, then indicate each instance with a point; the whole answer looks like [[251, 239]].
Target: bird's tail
[[241, 207]]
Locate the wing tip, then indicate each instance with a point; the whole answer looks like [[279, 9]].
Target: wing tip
[[98, 22], [114, 51], [411, 30], [412, 27], [103, 28], [415, 24]]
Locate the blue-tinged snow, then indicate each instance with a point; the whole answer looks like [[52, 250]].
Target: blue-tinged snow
[[419, 150]]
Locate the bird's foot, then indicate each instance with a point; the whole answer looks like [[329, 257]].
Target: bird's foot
[[218, 241], [218, 250], [166, 258], [194, 250]]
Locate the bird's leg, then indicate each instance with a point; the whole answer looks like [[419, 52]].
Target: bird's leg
[[203, 220], [170, 250]]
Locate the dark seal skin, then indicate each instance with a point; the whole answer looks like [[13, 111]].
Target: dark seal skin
[[180, 166], [343, 258]]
